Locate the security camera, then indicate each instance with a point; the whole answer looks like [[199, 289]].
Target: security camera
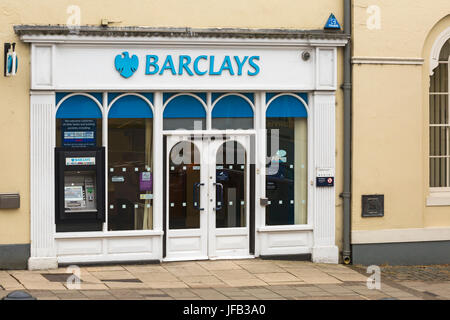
[[306, 55]]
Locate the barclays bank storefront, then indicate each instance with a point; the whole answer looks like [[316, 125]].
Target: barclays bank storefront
[[181, 144]]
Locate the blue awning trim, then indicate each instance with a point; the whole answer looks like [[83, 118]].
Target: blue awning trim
[[168, 95], [303, 95], [130, 107], [286, 106], [60, 95], [232, 107], [249, 95], [78, 107], [113, 95], [184, 106]]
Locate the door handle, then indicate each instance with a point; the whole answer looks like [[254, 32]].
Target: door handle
[[196, 195], [219, 207]]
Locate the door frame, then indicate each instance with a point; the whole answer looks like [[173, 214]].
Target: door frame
[[213, 147]]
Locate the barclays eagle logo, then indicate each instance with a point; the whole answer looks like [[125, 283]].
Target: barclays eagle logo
[[126, 65]]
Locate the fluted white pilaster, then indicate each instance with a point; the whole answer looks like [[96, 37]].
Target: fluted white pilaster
[[42, 180], [324, 248]]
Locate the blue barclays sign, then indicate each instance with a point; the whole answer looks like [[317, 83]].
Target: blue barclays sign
[[185, 64]]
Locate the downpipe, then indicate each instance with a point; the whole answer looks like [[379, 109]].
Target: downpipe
[[347, 89]]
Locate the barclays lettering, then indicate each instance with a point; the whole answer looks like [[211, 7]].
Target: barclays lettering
[[202, 65]]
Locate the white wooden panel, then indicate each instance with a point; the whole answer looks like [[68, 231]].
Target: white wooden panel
[[232, 242], [129, 245], [42, 71], [286, 242], [188, 244], [326, 68], [78, 246]]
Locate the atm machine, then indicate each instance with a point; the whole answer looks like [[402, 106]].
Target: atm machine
[[80, 188]]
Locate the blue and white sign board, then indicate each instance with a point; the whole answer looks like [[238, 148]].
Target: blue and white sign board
[[80, 161], [178, 68], [78, 132], [332, 23]]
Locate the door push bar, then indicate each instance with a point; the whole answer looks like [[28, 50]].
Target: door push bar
[[219, 207], [196, 195]]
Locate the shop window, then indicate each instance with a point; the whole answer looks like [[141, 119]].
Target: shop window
[[286, 169], [78, 125], [130, 163], [184, 112], [78, 114], [440, 123], [232, 111]]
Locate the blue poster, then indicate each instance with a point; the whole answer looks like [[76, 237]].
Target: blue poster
[[79, 132]]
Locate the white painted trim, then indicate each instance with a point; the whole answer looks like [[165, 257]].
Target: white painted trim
[[238, 95], [108, 234], [388, 60], [441, 198], [180, 41], [42, 263], [299, 227], [42, 196], [121, 95], [99, 105], [107, 258], [436, 49], [400, 235]]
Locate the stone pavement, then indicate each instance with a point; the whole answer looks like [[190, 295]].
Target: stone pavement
[[252, 279]]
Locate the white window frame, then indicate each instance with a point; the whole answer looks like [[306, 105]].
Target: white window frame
[[440, 196]]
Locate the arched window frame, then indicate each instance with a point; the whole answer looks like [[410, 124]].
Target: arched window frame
[[435, 184], [310, 157], [204, 105], [246, 99]]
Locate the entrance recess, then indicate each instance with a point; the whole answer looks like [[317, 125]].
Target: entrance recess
[[207, 197]]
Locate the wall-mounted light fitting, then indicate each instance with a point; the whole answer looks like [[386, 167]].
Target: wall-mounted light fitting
[[11, 61], [306, 55]]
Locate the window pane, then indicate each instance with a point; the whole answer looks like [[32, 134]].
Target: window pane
[[286, 172], [439, 80], [184, 180], [130, 180], [232, 123], [445, 52], [438, 172], [231, 185], [184, 124], [438, 141], [438, 109], [84, 127]]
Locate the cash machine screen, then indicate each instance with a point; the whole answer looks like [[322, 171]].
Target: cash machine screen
[[73, 193], [79, 192]]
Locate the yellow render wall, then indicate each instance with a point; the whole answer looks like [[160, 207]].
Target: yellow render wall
[[14, 106], [390, 113]]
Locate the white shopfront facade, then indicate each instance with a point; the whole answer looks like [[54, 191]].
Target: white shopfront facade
[[65, 66]]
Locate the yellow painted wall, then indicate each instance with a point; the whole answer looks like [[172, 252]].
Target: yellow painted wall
[[390, 113], [14, 107]]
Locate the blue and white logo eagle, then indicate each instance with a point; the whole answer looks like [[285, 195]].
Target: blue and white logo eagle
[[125, 65]]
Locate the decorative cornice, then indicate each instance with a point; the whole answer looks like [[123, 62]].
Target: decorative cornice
[[141, 35], [388, 60]]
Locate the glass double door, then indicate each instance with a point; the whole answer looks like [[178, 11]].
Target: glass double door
[[207, 197]]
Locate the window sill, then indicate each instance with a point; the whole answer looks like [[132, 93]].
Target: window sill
[[438, 199], [287, 228]]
